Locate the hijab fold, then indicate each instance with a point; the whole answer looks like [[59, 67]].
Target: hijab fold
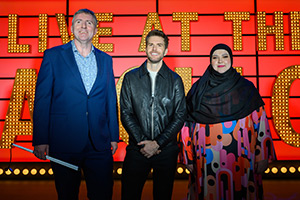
[[220, 97]]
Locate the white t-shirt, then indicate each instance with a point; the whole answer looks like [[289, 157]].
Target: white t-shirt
[[152, 76]]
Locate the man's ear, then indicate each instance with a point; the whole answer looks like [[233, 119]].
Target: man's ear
[[166, 51], [96, 30]]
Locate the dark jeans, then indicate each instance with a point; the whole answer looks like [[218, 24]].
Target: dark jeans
[[97, 168], [136, 168]]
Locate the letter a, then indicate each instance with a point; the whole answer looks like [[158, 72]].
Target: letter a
[[24, 85]]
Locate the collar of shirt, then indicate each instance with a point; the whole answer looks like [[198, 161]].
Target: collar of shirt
[[75, 50]]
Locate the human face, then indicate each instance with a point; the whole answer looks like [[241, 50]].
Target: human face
[[155, 49], [220, 60], [84, 28]]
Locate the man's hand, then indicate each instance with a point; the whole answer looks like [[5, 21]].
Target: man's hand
[[150, 148], [40, 151], [114, 147]]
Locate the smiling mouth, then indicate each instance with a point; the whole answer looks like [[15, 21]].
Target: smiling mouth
[[221, 65]]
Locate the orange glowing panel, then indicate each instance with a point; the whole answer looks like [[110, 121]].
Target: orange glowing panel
[[273, 65], [33, 30], [9, 66], [248, 64], [3, 108], [266, 86], [122, 64], [278, 5], [1, 126], [294, 108], [267, 102], [273, 131], [205, 7], [32, 7], [286, 152], [25, 114], [6, 88], [198, 64], [115, 6], [25, 30], [294, 89], [127, 25], [20, 155], [4, 29], [296, 124], [24, 138]]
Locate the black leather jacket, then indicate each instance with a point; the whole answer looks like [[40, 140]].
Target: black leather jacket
[[157, 118]]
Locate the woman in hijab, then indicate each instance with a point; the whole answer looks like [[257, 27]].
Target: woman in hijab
[[226, 140]]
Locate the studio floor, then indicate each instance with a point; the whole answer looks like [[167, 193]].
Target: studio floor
[[45, 190]]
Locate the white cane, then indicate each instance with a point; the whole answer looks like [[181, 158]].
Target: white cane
[[76, 168]]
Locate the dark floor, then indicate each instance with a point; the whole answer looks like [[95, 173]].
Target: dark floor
[[45, 190]]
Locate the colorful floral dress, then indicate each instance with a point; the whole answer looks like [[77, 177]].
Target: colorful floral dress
[[224, 155]]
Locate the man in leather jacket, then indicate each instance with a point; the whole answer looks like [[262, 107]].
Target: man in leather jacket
[[153, 111]]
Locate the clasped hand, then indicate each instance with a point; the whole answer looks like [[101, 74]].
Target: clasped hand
[[150, 148]]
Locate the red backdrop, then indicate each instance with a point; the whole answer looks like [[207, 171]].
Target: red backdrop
[[129, 18]]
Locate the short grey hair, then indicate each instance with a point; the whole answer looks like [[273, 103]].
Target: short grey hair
[[86, 11]]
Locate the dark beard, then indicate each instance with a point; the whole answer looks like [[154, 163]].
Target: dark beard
[[154, 61]]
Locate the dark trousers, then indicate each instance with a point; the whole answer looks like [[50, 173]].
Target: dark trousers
[[97, 168], [136, 168]]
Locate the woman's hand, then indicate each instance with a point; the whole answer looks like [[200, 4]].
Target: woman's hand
[[190, 168], [261, 166]]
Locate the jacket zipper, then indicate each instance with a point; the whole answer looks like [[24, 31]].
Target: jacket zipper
[[152, 107], [152, 117]]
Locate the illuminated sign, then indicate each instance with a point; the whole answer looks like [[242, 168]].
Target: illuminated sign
[[153, 21]]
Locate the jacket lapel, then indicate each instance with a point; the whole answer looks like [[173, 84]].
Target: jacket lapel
[[100, 64], [68, 56]]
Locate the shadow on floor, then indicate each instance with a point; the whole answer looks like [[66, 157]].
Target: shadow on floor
[[45, 190]]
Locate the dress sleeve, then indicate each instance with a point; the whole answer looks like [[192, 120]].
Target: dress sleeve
[[264, 149], [186, 144]]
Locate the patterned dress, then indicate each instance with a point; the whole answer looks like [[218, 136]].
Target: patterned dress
[[224, 155]]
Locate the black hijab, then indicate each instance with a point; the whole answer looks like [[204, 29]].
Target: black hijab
[[220, 97]]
